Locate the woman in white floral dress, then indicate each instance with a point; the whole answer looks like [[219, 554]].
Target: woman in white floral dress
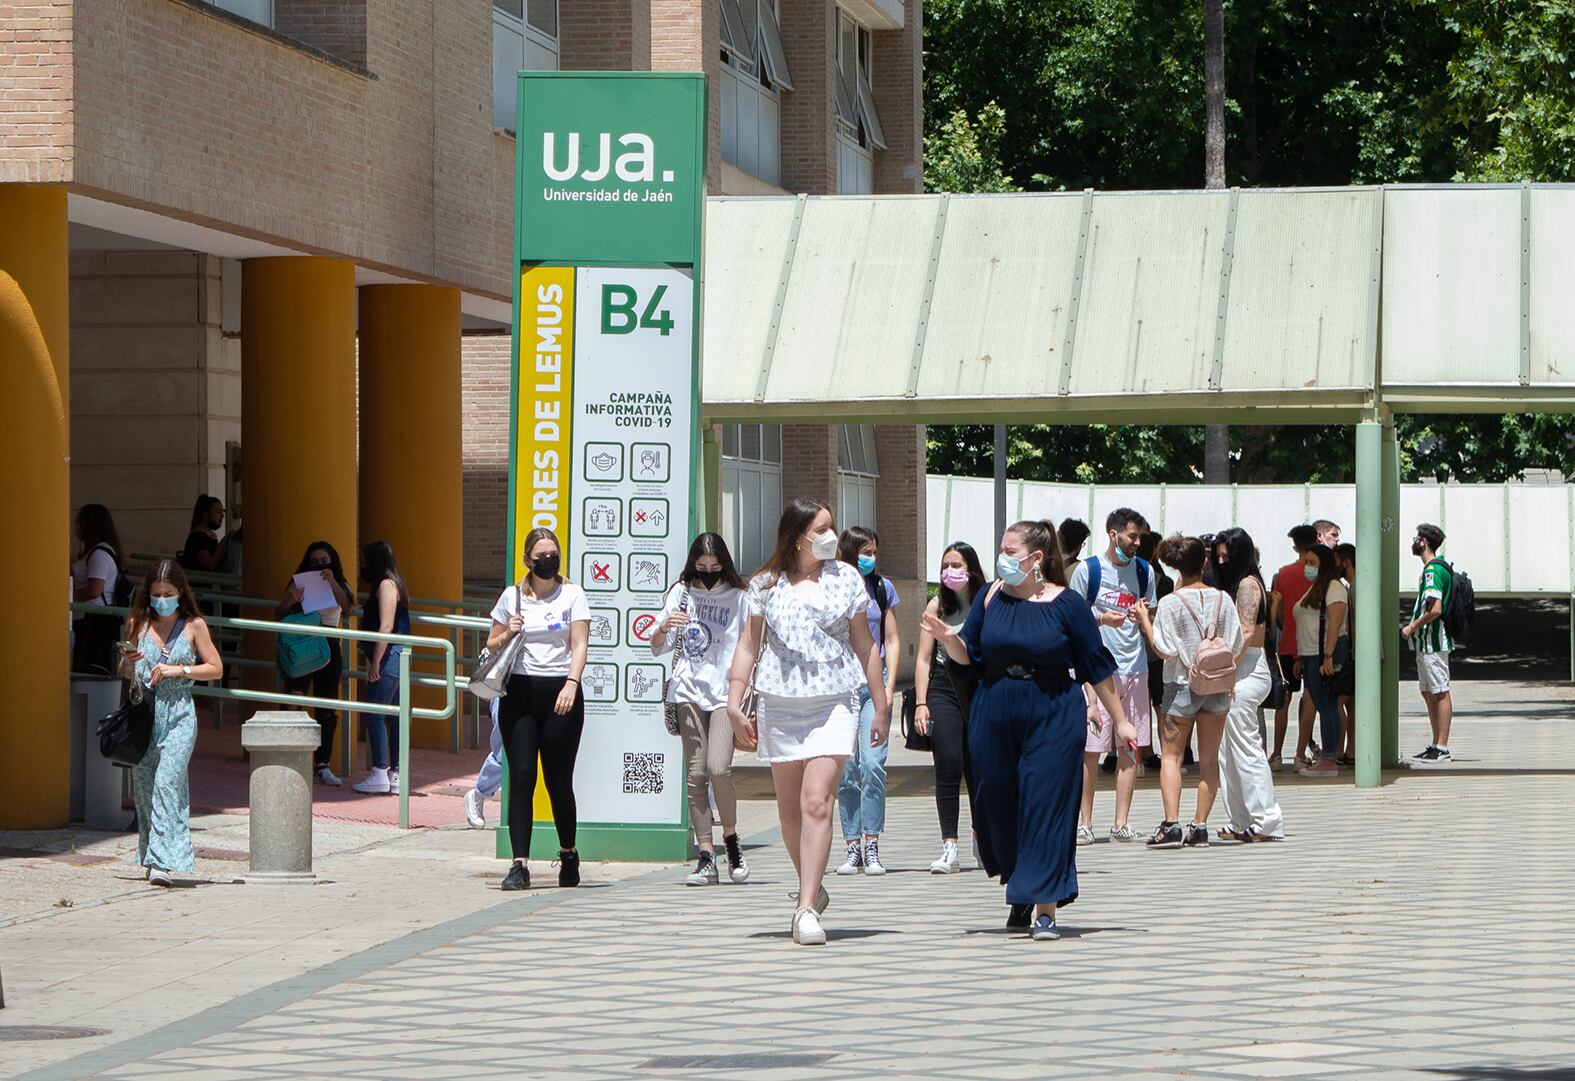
[[805, 624]]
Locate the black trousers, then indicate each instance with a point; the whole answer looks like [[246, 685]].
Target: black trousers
[[949, 735], [323, 683], [530, 728]]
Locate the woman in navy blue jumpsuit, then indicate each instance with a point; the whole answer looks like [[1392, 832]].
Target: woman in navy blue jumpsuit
[[1034, 643]]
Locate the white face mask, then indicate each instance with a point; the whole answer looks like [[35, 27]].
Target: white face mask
[[823, 545]]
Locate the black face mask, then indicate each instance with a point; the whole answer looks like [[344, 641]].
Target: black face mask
[[1416, 547], [546, 566], [708, 579]]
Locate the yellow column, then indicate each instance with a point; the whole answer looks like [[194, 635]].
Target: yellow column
[[35, 484], [297, 420], [412, 446]]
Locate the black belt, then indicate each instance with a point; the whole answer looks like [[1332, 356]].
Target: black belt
[[1018, 671]]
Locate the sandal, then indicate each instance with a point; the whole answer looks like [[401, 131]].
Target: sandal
[[1245, 838]]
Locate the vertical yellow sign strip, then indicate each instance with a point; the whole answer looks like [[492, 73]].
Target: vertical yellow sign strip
[[544, 454], [543, 457]]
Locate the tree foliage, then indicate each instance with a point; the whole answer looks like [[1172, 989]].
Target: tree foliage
[[1108, 94]]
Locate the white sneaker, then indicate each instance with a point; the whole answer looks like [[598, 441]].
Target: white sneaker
[[948, 864], [393, 782], [476, 809], [376, 784], [326, 776], [855, 861], [1124, 834], [160, 877], [872, 863], [806, 928], [1085, 836], [822, 899]]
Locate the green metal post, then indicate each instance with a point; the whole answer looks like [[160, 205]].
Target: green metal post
[[1370, 616], [1389, 596], [404, 738]]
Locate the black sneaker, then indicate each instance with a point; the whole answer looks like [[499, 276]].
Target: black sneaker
[[1433, 754], [1108, 765], [568, 868], [1019, 917], [518, 878], [1427, 755], [704, 873], [1168, 835], [737, 869], [1197, 836]]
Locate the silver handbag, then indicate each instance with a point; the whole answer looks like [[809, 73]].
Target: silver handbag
[[490, 678], [669, 708]]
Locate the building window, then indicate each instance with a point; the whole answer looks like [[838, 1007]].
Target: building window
[[858, 471], [257, 11], [524, 38], [859, 133], [754, 75], [751, 491]]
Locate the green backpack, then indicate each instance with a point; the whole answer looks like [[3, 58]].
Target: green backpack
[[302, 654]]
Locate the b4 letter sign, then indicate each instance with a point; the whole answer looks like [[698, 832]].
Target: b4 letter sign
[[610, 193]]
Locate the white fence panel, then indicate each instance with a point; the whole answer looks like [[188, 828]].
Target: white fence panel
[[1474, 527], [1539, 537]]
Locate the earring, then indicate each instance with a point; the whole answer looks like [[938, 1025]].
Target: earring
[[1038, 578]]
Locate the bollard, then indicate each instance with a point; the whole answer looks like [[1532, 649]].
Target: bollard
[[280, 744]]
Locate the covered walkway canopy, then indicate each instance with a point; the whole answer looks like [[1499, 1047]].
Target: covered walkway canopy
[[1261, 306], [1244, 306]]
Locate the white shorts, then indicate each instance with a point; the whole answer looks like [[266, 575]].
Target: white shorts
[[1432, 672], [1133, 692], [798, 729]]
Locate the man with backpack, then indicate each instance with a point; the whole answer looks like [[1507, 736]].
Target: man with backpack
[[1429, 633], [1112, 583]]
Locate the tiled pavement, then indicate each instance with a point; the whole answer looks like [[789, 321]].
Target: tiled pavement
[[1420, 931]]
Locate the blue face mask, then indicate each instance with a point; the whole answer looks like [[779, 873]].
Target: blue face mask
[[1009, 570], [866, 565], [165, 606], [1310, 572], [1122, 556]]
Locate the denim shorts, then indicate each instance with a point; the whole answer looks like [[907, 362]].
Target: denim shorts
[[1181, 702]]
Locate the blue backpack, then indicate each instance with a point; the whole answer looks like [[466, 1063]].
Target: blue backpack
[[1091, 589]]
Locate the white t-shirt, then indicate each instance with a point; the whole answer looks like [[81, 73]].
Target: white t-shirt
[[705, 658], [1307, 644], [96, 564], [1119, 590], [546, 629]]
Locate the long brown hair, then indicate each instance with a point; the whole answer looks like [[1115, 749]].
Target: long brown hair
[[1328, 572], [95, 526], [165, 570], [795, 521], [1040, 536]]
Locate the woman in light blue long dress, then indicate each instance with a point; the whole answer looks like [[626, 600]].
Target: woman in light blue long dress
[[167, 649]]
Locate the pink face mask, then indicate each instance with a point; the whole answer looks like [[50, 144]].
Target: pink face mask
[[954, 578]]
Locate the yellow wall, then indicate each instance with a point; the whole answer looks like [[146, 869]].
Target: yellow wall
[[412, 446], [297, 420], [35, 532]]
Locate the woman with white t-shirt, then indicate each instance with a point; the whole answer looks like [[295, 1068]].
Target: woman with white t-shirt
[[1323, 647], [806, 626], [94, 575], [543, 711], [701, 617]]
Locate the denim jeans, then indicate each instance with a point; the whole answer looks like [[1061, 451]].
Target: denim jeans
[[861, 798], [382, 733], [489, 779], [1325, 702]]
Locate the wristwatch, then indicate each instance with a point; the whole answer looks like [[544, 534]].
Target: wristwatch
[[185, 670]]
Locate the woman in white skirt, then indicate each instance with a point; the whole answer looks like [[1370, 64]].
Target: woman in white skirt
[[806, 640], [1246, 782]]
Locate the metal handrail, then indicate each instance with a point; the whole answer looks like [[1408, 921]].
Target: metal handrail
[[404, 710], [470, 601]]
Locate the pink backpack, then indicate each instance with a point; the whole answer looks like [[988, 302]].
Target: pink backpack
[[1213, 667]]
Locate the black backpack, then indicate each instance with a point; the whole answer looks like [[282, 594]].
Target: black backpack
[[1460, 607], [124, 587]]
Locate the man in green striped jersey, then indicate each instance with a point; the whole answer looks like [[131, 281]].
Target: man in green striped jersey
[[1430, 638]]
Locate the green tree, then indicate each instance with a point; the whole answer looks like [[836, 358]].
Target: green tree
[[964, 155], [1109, 94]]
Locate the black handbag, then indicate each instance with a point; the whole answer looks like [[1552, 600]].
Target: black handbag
[[1343, 683], [911, 737], [124, 735]]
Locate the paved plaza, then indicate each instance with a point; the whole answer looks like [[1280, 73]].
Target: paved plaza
[[1417, 931]]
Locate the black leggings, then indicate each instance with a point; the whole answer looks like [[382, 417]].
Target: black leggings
[[530, 727], [949, 734], [323, 683]]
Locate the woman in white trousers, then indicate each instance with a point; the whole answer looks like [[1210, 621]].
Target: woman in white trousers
[[1246, 781]]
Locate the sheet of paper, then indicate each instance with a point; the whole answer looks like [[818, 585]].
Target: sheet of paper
[[315, 592]]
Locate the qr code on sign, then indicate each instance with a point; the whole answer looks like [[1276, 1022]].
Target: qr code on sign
[[642, 773]]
